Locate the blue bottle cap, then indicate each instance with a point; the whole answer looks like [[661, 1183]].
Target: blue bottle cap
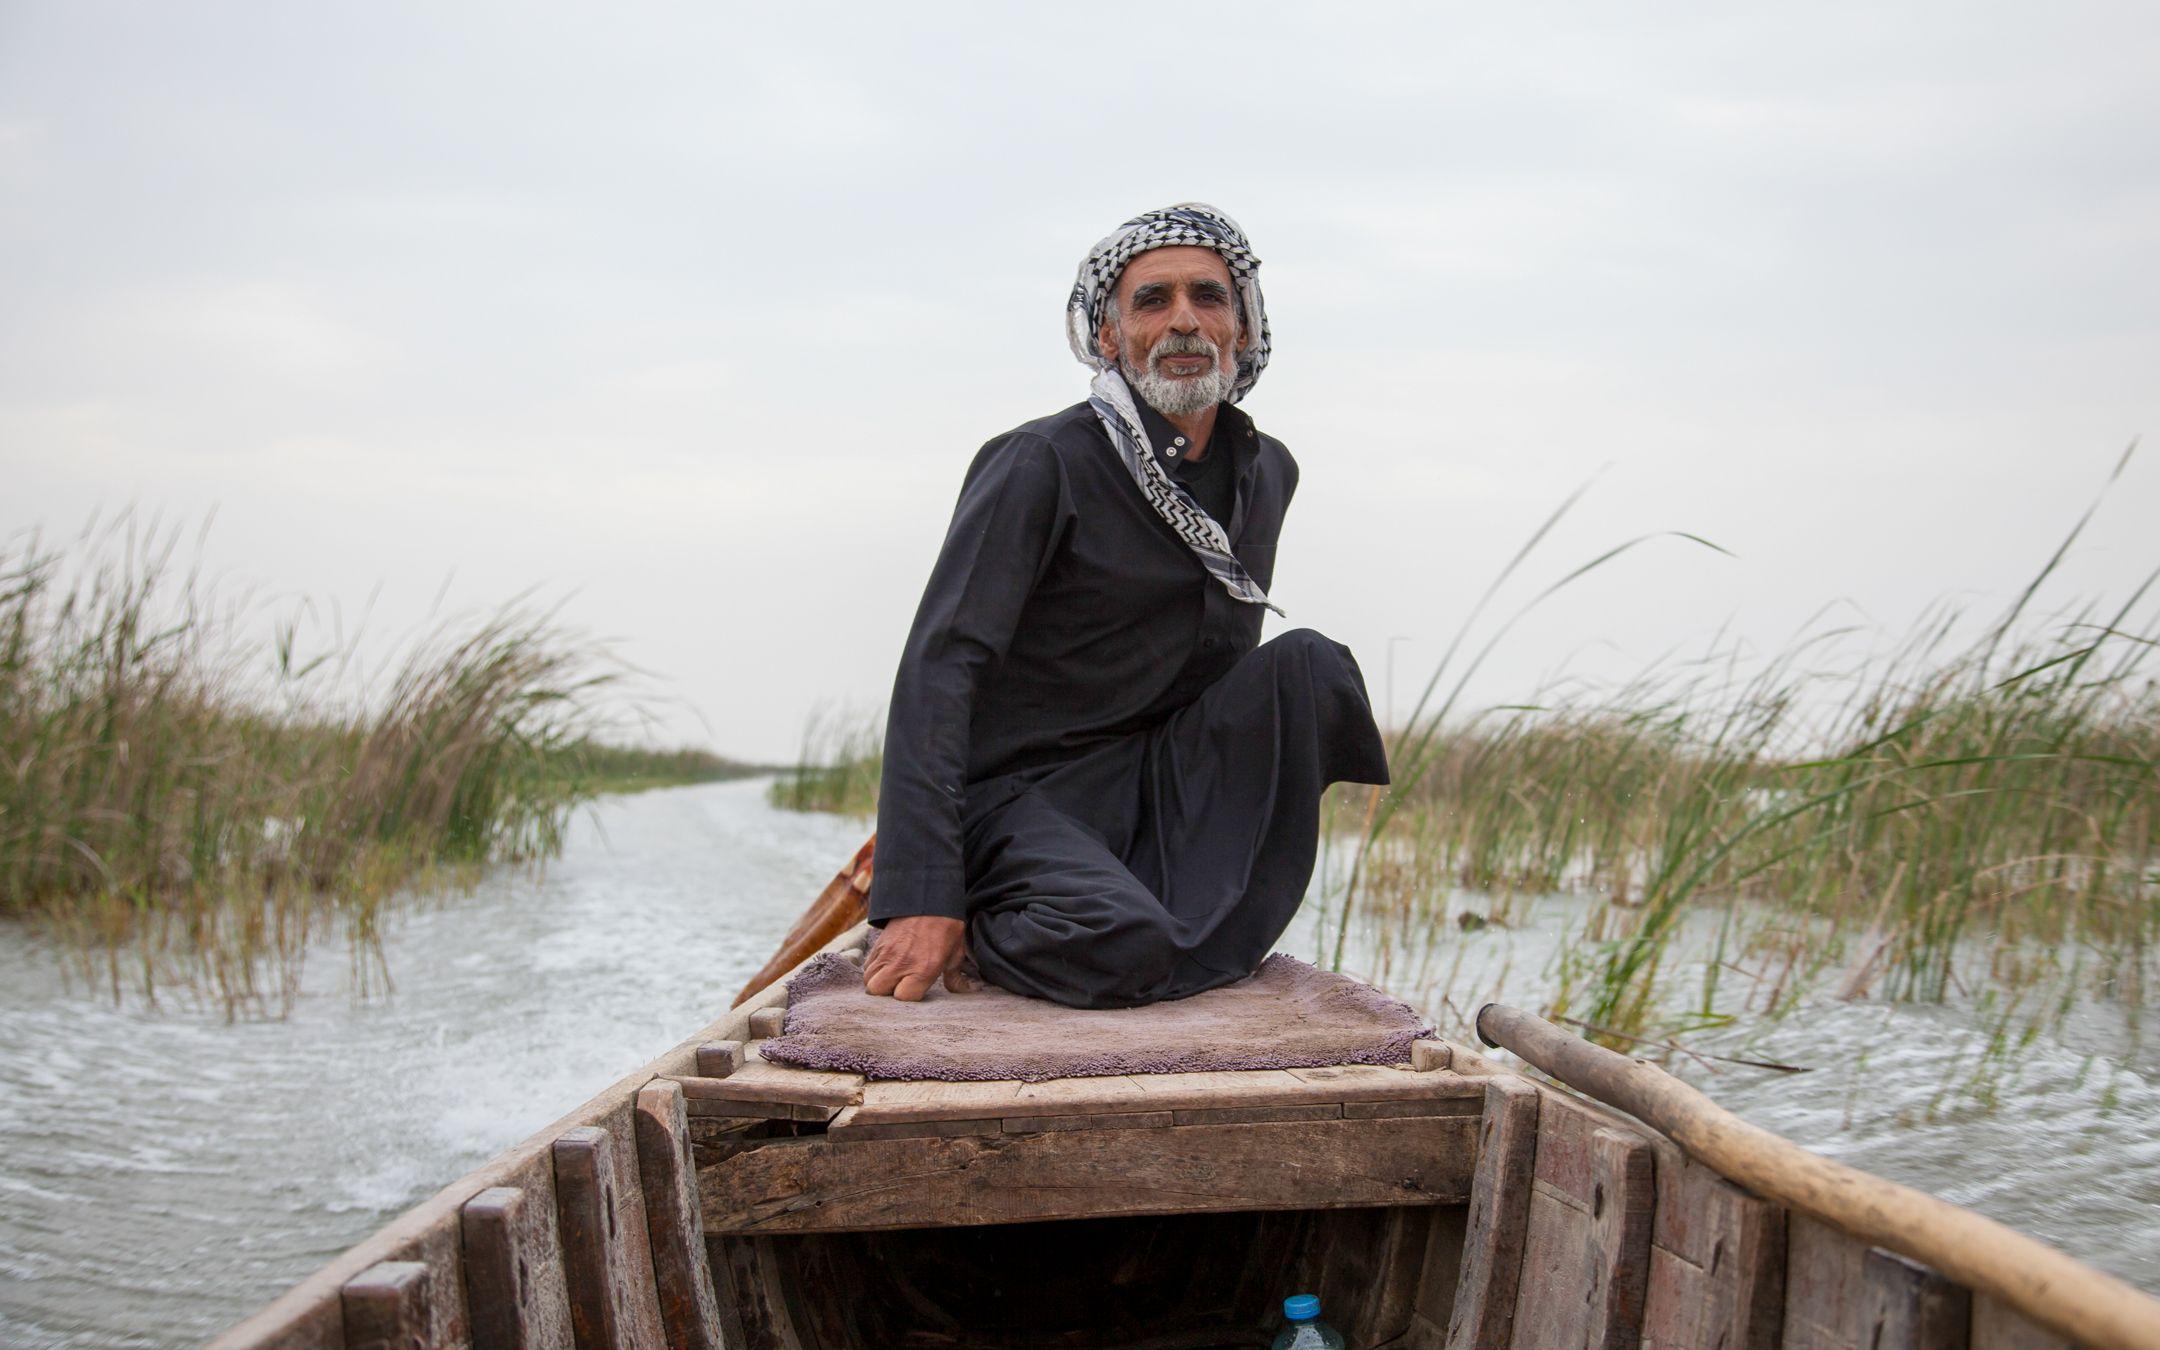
[[1301, 1307]]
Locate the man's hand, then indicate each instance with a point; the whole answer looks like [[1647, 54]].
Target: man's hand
[[911, 953]]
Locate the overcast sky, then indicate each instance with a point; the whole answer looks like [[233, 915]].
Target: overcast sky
[[695, 314]]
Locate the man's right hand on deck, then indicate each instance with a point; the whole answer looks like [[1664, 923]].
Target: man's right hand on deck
[[912, 952]]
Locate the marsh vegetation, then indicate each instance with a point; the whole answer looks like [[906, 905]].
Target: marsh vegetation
[[190, 796], [1966, 812]]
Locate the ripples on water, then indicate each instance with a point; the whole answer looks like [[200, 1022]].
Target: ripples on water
[[164, 1173]]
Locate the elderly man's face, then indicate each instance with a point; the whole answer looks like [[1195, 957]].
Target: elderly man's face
[[1173, 328]]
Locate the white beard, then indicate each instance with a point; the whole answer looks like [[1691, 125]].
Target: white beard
[[1179, 396]]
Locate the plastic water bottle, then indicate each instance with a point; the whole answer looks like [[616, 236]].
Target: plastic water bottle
[[1306, 1331]]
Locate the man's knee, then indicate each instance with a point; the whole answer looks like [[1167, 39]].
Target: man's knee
[[1081, 952], [1308, 649]]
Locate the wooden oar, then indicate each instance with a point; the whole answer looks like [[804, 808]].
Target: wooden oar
[[839, 907], [2066, 1295]]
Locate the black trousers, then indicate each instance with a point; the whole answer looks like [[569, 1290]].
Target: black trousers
[[1171, 861]]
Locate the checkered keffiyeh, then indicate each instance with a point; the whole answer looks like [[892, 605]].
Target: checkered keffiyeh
[[1186, 223], [1192, 223]]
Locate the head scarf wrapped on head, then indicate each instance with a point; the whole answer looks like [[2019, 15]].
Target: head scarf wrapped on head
[[1188, 223], [1192, 224]]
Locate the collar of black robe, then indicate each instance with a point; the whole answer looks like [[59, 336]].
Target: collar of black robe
[[1234, 431], [1169, 444]]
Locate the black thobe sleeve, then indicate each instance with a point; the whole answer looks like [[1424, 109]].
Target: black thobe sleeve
[[1003, 533]]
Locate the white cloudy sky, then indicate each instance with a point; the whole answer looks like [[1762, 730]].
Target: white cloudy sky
[[695, 313]]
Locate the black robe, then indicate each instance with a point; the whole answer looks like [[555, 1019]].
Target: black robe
[[1089, 755]]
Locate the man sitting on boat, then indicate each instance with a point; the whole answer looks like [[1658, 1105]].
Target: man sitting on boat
[[1098, 782]]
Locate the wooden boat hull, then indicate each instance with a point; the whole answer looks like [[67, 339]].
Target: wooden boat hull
[[713, 1199]]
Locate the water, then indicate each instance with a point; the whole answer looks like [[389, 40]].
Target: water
[[163, 1173]]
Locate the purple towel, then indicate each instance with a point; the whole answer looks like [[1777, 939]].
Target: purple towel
[[1288, 1015]]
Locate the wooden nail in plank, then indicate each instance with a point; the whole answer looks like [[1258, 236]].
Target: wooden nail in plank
[[668, 1175], [1429, 1055], [718, 1059], [386, 1306], [767, 1023], [1484, 1314]]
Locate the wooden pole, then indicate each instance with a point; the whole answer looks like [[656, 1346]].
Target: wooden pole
[[2065, 1295], [839, 907]]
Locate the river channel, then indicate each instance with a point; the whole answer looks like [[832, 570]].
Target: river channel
[[164, 1171]]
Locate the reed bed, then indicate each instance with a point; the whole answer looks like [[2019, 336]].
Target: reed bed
[[837, 768], [189, 807], [1970, 812]]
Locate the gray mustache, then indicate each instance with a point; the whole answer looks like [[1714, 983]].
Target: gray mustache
[[1183, 344]]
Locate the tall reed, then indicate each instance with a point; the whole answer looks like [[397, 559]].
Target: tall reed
[[1976, 806], [838, 766], [188, 804]]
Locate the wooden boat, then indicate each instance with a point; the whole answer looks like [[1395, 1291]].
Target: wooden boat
[[715, 1199]]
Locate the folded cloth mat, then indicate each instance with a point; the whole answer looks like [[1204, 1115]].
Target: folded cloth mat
[[1287, 1015]]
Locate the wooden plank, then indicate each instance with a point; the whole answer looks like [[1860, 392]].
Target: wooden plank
[[747, 1112], [1390, 1305], [668, 1175], [718, 1059], [1411, 1106], [1733, 1243], [1484, 1312], [750, 1087], [1623, 1201], [1822, 1287], [1248, 1089], [1906, 1306], [1998, 1326], [845, 1127], [1444, 1236], [1565, 1128], [1422, 1334], [753, 1305], [817, 1183], [513, 1267], [1552, 1299], [607, 1255], [1250, 1115], [1125, 1120], [386, 1307], [1746, 1269], [767, 1023], [1676, 1301]]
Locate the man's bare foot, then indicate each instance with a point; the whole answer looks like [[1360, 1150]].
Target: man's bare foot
[[911, 953]]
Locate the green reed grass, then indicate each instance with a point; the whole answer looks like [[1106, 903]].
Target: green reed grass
[[188, 806], [837, 768], [1975, 808]]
